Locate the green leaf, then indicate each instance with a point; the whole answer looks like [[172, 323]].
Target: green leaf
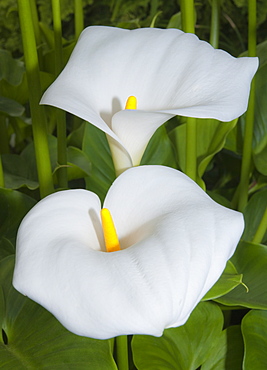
[[78, 162], [182, 348], [96, 147], [253, 214], [75, 138], [28, 155], [6, 248], [211, 136], [227, 282], [260, 122], [6, 269], [17, 172], [36, 340], [228, 353], [13, 207], [2, 311], [254, 329], [175, 21], [11, 69], [260, 117], [20, 93], [10, 107], [251, 261], [78, 165], [159, 150]]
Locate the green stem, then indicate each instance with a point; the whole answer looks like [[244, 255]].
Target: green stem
[[188, 15], [191, 148], [57, 35], [249, 124], [78, 16], [188, 21], [37, 32], [35, 92], [2, 179], [122, 352], [215, 23], [261, 229], [60, 115]]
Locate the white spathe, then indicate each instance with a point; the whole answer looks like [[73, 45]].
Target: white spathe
[[169, 72], [175, 243]]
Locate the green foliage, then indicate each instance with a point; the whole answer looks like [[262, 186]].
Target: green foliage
[[102, 173], [14, 206], [185, 347], [134, 14], [228, 352], [251, 261], [254, 329], [227, 282], [32, 338], [211, 139]]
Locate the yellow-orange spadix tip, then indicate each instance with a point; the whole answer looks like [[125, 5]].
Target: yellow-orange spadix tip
[[131, 103], [110, 235]]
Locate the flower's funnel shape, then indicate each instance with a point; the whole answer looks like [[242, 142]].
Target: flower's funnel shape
[[168, 71], [174, 239]]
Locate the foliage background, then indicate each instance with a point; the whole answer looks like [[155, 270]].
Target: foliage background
[[234, 324], [139, 13]]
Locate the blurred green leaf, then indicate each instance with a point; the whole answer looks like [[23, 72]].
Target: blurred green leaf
[[6, 248], [75, 138], [17, 172], [11, 69], [10, 107], [20, 93], [2, 310], [13, 207], [251, 261], [182, 348], [254, 329], [96, 147], [79, 164], [227, 282], [6, 273], [228, 353], [175, 21]]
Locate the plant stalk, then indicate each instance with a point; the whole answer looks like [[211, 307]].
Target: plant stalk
[[37, 111], [122, 352], [215, 23], [78, 17], [62, 173], [249, 123], [188, 22], [261, 229]]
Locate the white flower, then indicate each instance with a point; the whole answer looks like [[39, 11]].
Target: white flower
[[175, 241], [168, 71]]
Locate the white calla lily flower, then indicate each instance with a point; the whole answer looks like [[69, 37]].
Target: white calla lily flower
[[174, 244], [168, 71]]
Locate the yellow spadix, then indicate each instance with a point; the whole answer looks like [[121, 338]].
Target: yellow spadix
[[110, 235], [131, 103]]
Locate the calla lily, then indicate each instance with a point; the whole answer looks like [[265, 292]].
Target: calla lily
[[174, 244], [169, 72]]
